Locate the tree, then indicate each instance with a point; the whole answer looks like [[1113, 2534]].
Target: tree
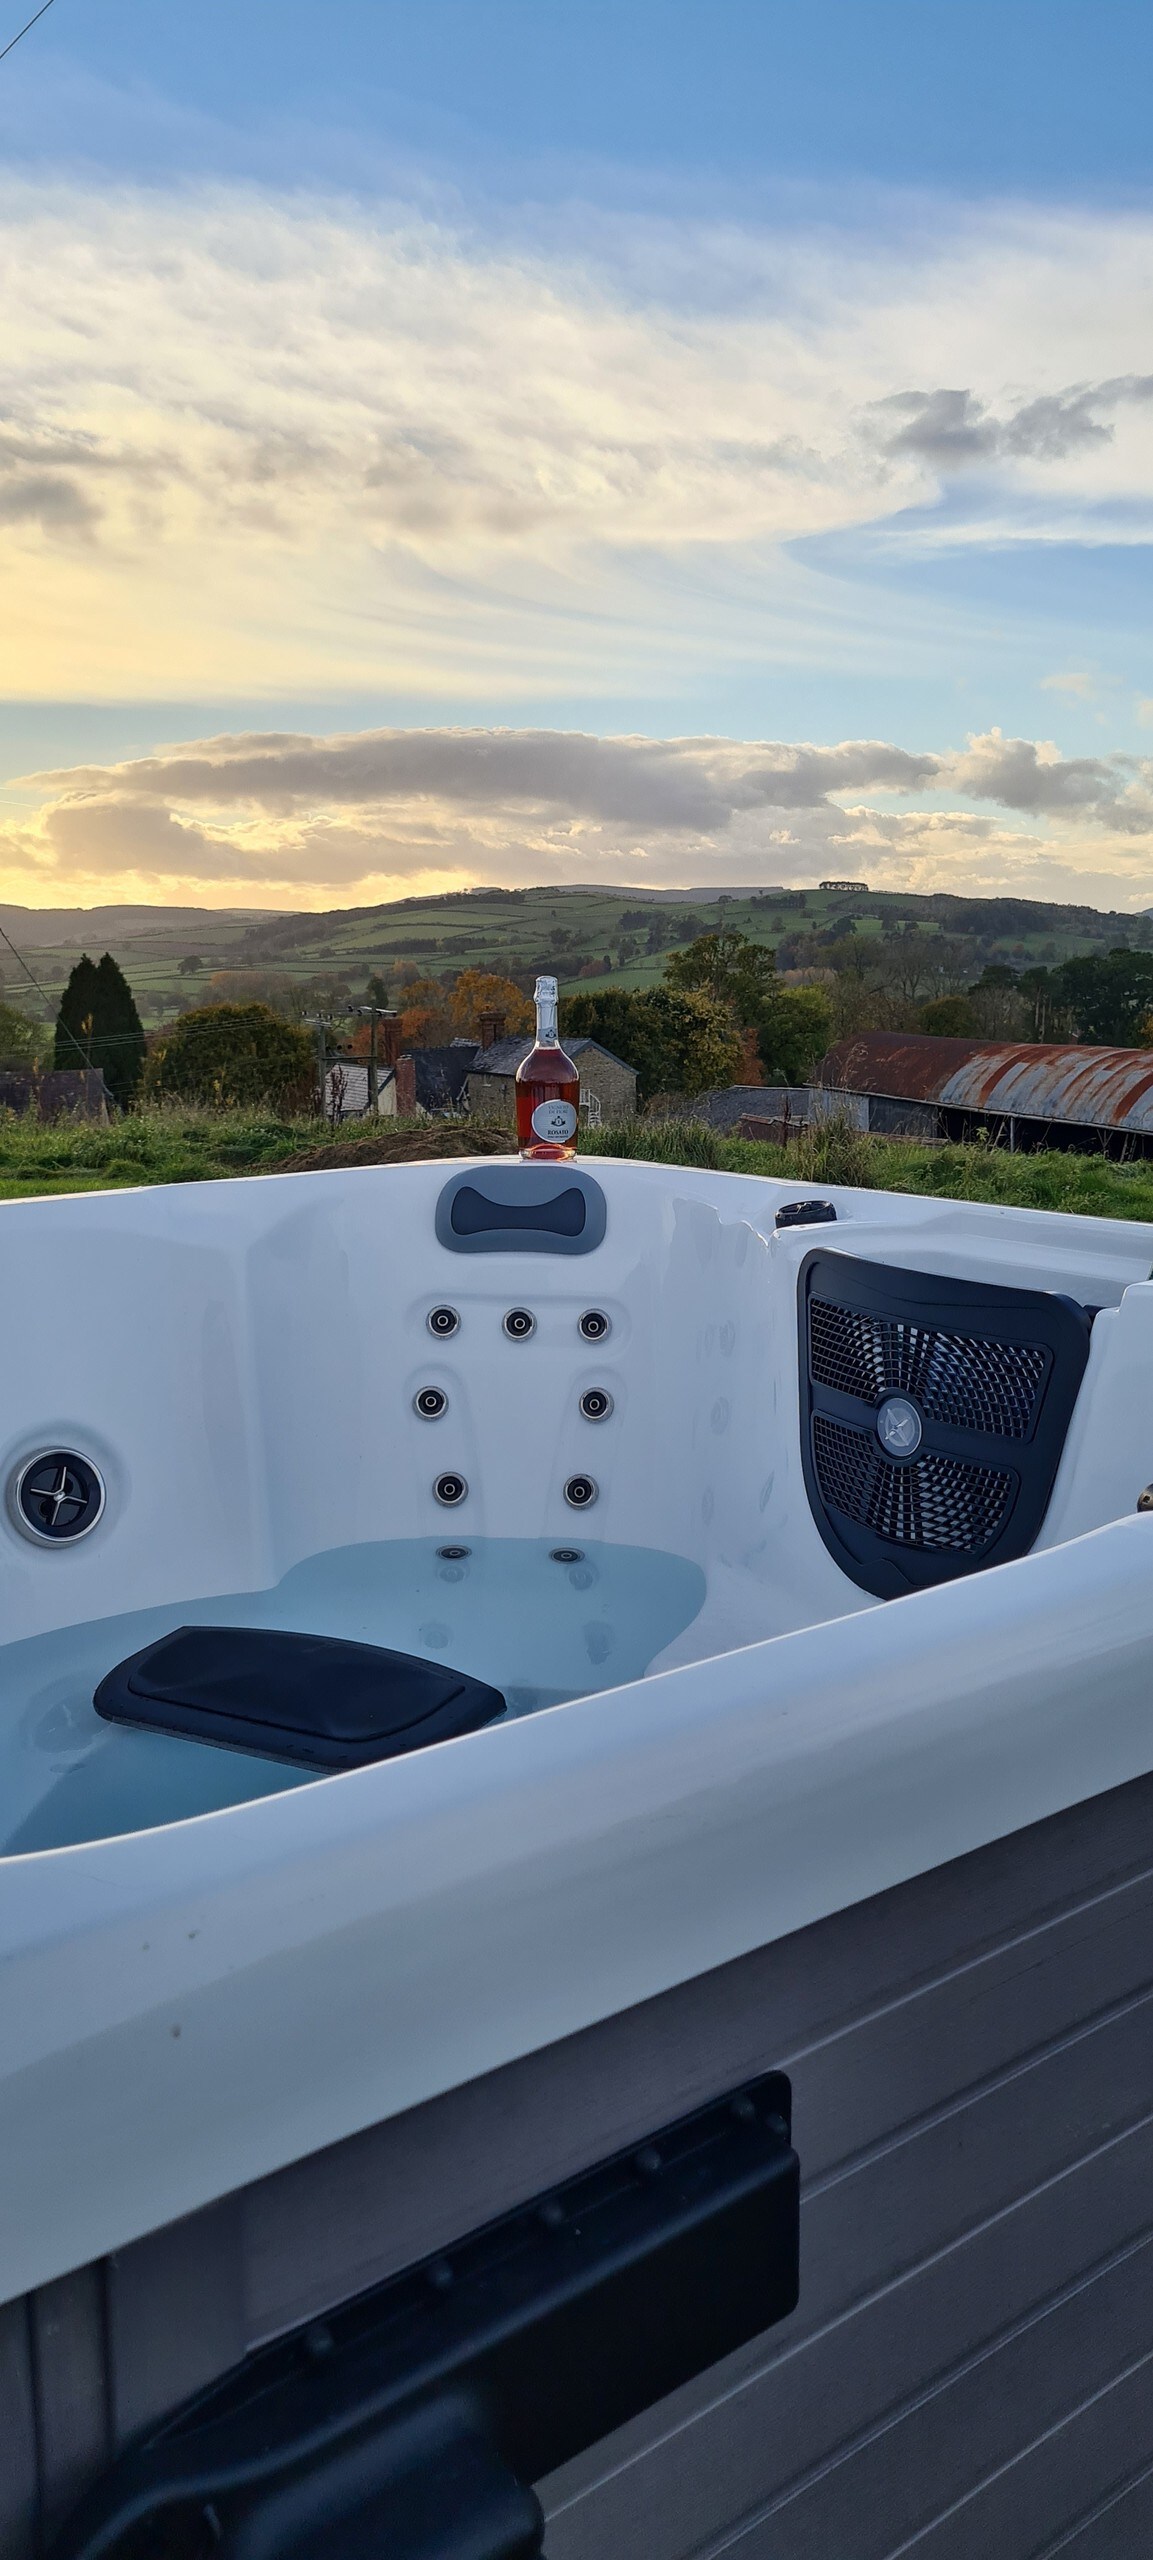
[[1109, 997], [738, 972], [76, 1019], [795, 1029], [98, 1026], [190, 966], [425, 1014], [1048, 1015], [950, 1018], [228, 1054], [19, 1038], [793, 1025], [679, 1041], [119, 1046], [478, 991]]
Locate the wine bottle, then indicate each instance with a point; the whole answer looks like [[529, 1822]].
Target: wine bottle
[[547, 1088]]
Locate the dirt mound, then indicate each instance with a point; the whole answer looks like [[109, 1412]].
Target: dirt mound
[[403, 1146]]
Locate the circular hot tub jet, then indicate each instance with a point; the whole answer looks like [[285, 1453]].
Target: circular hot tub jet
[[581, 1491], [430, 1403], [57, 1496], [450, 1488], [518, 1324], [442, 1321], [594, 1324], [566, 1555], [596, 1404]]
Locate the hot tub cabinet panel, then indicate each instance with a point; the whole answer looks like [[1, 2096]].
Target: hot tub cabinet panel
[[970, 2365]]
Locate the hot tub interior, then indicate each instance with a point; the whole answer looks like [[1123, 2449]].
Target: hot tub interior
[[557, 1452]]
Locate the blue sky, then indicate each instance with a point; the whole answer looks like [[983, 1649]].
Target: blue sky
[[737, 373]]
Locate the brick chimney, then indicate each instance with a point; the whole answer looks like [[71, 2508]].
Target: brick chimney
[[492, 1028], [388, 1038], [405, 1086]]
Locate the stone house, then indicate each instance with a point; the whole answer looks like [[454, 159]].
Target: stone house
[[608, 1088]]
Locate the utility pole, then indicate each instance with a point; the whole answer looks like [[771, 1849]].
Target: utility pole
[[373, 1013], [319, 1022]]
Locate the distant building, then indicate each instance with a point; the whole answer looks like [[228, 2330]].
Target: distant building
[[73, 1093], [608, 1088], [1025, 1093], [777, 1111], [441, 1076], [468, 1075], [347, 1081], [346, 1090], [863, 885]]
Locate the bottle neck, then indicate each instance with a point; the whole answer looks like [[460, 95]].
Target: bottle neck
[[547, 1032]]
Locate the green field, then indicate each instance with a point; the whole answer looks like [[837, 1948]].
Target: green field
[[184, 1145], [626, 934]]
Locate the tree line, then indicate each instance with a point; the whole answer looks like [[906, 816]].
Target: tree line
[[722, 1014]]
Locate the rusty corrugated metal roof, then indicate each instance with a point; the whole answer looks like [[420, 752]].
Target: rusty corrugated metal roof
[[1025, 1080], [905, 1064]]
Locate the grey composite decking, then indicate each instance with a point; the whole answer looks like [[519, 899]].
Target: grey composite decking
[[970, 2370]]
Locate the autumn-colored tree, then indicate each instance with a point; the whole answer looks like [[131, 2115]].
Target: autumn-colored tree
[[425, 1015], [480, 991]]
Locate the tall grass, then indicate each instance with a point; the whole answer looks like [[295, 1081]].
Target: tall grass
[[1090, 1185], [183, 1143]]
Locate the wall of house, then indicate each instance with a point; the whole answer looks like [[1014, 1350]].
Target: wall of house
[[613, 1084], [608, 1080]]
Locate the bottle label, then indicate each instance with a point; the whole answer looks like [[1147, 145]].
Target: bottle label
[[554, 1121]]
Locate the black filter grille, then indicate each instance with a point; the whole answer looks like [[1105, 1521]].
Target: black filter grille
[[957, 1379], [930, 1502]]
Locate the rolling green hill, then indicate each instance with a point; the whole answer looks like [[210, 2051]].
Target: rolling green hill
[[588, 935]]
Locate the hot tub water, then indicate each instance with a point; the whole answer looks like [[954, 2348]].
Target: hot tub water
[[542, 1622]]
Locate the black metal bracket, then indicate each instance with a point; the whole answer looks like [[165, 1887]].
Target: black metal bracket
[[410, 2420]]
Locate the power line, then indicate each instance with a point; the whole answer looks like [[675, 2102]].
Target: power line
[[107, 1039], [18, 955], [25, 30]]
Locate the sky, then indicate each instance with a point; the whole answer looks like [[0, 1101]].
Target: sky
[[636, 441]]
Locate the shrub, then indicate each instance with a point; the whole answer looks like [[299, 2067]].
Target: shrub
[[19, 1038], [229, 1054]]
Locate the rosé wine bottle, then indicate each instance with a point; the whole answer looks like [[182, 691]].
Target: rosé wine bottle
[[547, 1088]]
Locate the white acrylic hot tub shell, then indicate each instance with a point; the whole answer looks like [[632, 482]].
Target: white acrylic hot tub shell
[[183, 2011]]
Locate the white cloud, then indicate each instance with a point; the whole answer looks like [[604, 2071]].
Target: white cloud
[[301, 819], [1079, 686], [350, 445]]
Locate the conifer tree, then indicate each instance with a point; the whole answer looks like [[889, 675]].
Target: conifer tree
[[76, 1020], [98, 1026], [120, 1045]]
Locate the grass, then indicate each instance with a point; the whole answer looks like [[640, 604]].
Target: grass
[[182, 1144], [1088, 1186]]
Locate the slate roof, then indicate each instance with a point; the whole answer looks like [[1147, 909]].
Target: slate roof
[[441, 1074]]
